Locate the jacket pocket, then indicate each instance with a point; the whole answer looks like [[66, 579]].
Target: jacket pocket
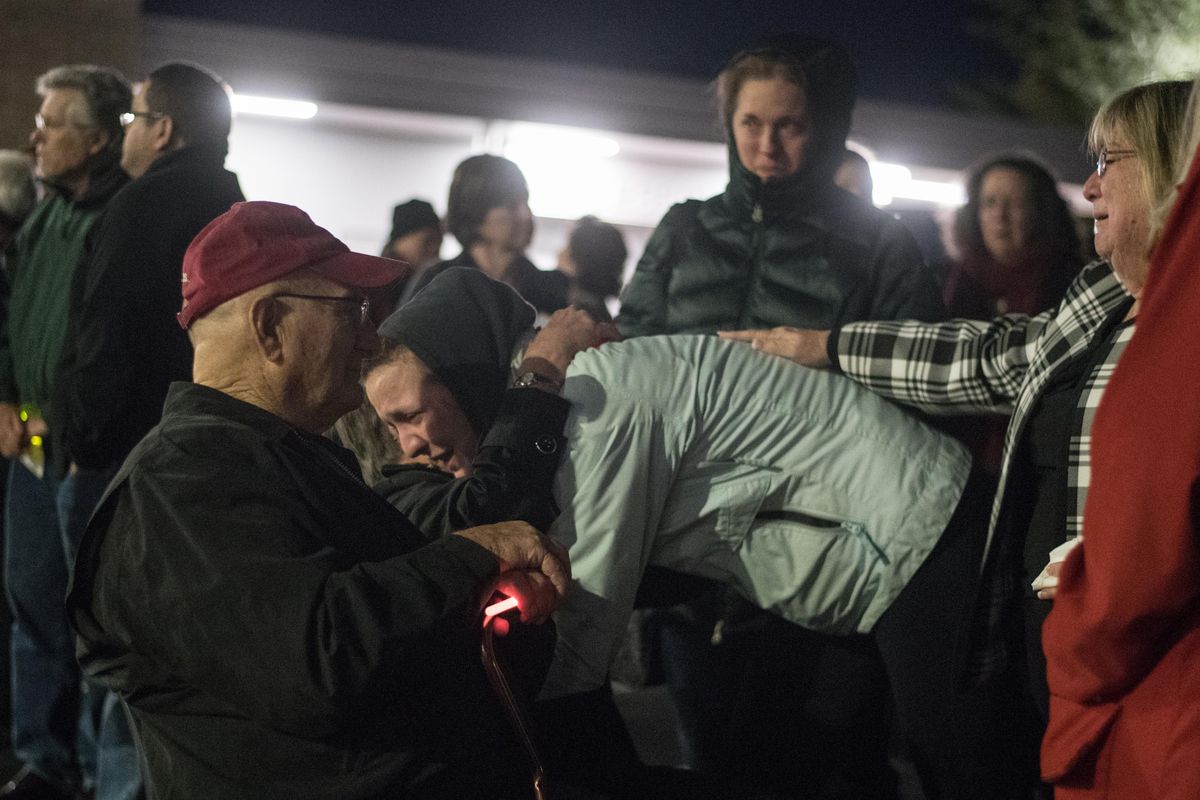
[[820, 523], [799, 554], [777, 501]]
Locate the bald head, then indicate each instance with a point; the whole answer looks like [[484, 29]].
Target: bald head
[[293, 347]]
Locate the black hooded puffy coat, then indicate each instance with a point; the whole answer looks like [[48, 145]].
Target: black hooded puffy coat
[[796, 251]]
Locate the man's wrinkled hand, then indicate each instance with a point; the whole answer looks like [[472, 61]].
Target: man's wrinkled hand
[[806, 347], [569, 332], [533, 568]]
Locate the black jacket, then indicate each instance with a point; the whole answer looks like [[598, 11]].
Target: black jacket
[[761, 254], [278, 630], [795, 251], [124, 344], [513, 472]]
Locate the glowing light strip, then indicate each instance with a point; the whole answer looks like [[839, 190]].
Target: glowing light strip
[[500, 607], [274, 107]]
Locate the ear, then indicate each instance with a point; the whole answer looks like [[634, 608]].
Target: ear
[[164, 132], [97, 140], [266, 320]]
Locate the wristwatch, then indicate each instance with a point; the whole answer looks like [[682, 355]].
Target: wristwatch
[[529, 380]]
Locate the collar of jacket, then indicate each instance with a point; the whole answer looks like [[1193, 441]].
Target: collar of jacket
[[803, 194], [213, 154], [193, 398], [104, 179]]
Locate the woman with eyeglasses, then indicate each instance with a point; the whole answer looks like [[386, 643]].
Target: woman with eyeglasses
[[1123, 640], [1048, 370]]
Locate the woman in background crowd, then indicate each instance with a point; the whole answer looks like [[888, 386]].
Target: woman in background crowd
[[415, 239], [1017, 252], [416, 236], [1018, 249], [593, 260], [488, 213], [1123, 640]]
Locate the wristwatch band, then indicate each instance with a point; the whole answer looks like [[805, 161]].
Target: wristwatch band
[[528, 380]]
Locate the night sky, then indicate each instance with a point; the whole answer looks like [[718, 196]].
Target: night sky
[[913, 52]]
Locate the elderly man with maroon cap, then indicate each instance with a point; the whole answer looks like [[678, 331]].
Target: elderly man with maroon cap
[[275, 629]]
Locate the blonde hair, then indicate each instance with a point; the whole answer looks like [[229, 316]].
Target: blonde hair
[[1148, 119], [1189, 142], [364, 434]]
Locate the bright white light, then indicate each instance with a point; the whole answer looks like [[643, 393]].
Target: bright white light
[[274, 107], [557, 142], [569, 170], [887, 178], [939, 192], [895, 181]]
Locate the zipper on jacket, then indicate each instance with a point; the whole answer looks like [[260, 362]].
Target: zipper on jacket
[[861, 530], [756, 246], [808, 520]]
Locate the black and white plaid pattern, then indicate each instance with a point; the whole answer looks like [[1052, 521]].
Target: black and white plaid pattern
[[965, 366], [1079, 464]]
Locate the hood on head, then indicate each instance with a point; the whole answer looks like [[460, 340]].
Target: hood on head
[[827, 71], [464, 326]]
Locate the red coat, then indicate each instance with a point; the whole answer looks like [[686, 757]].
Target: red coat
[[1123, 641]]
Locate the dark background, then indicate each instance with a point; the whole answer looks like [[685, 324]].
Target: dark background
[[916, 52]]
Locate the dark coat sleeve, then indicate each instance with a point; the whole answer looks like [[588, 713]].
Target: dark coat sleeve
[[904, 287], [247, 592], [95, 376], [513, 476], [644, 301]]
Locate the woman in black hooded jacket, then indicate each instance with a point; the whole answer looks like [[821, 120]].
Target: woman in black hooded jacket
[[782, 245]]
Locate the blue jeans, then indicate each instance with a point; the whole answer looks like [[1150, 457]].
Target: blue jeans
[[56, 726]]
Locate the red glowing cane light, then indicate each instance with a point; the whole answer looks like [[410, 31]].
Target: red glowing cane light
[[500, 607]]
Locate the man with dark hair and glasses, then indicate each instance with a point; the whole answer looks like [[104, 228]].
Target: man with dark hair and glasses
[[77, 145], [125, 346]]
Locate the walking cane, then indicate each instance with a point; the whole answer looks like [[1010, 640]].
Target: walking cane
[[503, 690]]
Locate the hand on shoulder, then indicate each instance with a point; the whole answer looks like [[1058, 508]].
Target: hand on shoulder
[[569, 332], [806, 347]]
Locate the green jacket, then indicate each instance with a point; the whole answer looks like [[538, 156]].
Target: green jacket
[[40, 266], [798, 251]]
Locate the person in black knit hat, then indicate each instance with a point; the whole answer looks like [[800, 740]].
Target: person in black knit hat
[[416, 235]]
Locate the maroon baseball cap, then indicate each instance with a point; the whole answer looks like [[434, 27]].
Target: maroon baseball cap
[[258, 242]]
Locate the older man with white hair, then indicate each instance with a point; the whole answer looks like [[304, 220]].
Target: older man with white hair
[[275, 628], [76, 145]]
